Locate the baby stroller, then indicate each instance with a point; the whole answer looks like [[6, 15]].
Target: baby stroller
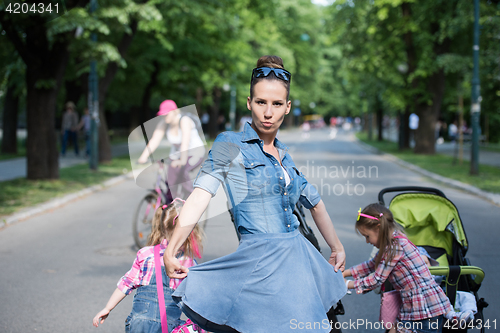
[[432, 221]]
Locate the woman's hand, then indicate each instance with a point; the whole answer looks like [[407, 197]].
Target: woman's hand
[[337, 260], [101, 316], [174, 268], [325, 226]]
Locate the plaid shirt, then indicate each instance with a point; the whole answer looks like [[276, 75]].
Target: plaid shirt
[[143, 267], [422, 298]]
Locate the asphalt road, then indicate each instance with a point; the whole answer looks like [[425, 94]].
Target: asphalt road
[[59, 268]]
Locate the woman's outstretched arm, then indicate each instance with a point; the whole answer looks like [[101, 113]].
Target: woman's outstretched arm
[[156, 138], [325, 226], [190, 214]]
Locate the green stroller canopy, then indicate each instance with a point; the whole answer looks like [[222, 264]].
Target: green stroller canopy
[[429, 220]]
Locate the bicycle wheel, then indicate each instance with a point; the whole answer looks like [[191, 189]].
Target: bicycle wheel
[[143, 216]]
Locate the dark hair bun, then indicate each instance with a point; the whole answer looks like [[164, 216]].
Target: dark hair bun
[[270, 61]]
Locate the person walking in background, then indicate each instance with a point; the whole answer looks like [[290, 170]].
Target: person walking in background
[[69, 128], [85, 123], [413, 124], [453, 131], [187, 152]]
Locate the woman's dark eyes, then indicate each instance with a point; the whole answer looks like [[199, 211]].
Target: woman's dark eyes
[[275, 103]]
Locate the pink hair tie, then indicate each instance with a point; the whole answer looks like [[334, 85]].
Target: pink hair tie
[[381, 214], [176, 199], [367, 216]]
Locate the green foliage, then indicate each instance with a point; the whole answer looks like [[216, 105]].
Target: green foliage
[[367, 54]]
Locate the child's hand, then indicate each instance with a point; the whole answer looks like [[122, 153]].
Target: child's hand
[[347, 286], [102, 315]]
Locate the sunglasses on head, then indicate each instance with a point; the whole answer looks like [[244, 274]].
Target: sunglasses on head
[[278, 72]]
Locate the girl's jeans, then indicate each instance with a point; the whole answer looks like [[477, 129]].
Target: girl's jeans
[[145, 315], [431, 325]]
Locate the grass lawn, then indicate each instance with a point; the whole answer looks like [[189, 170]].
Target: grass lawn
[[22, 193], [487, 180]]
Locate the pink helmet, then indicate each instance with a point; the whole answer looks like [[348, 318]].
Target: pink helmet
[[166, 106]]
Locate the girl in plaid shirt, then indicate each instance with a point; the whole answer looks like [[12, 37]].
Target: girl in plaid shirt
[[423, 301], [145, 316]]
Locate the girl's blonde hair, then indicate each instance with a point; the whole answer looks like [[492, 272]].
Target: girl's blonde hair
[[163, 225], [383, 217]]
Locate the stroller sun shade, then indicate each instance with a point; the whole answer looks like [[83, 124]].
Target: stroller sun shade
[[429, 219]]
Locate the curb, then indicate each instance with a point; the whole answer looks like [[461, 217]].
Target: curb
[[491, 197], [58, 202]]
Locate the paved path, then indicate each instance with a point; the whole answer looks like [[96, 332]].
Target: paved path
[[450, 148], [62, 265], [16, 168]]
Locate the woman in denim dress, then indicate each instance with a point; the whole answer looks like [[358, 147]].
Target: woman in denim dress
[[276, 281]]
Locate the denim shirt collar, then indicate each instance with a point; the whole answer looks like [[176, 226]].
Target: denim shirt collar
[[249, 134]]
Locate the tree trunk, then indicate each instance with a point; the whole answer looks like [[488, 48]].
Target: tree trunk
[[41, 144], [45, 66], [10, 111], [73, 90], [104, 83], [46, 62], [425, 141], [404, 129]]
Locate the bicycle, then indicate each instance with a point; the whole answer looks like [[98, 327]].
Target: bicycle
[[144, 213]]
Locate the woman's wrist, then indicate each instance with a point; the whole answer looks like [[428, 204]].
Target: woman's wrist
[[337, 247]]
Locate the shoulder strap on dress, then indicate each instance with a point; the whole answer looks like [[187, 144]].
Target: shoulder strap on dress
[[159, 287]]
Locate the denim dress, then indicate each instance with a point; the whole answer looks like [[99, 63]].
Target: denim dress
[[276, 281], [145, 315]]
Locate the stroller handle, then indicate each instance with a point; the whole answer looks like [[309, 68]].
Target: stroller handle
[[476, 272], [408, 189]]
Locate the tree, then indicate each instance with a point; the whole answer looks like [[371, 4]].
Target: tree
[[423, 39], [42, 43]]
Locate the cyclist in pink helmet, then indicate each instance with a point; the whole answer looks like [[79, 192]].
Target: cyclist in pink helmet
[[187, 147]]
